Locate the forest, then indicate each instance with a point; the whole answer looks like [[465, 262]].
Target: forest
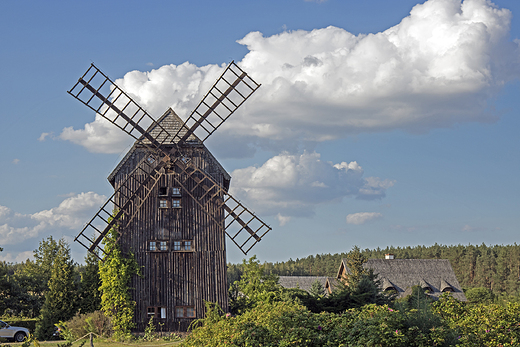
[[496, 267], [53, 289]]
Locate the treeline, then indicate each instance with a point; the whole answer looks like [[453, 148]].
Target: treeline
[[52, 287], [493, 267]]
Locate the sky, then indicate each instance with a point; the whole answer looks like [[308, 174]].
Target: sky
[[378, 123]]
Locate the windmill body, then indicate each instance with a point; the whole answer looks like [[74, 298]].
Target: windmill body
[[179, 247], [171, 207]]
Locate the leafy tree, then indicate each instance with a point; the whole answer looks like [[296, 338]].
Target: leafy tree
[[317, 290], [60, 299], [479, 295], [116, 273], [254, 286], [89, 293]]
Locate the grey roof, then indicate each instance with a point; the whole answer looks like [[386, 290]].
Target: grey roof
[[167, 127], [402, 274], [170, 122], [301, 282]]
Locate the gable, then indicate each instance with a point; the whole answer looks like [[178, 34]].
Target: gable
[[172, 123]]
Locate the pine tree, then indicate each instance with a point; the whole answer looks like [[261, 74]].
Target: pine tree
[[60, 299], [89, 294]]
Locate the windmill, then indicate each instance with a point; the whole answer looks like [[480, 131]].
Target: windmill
[[171, 206]]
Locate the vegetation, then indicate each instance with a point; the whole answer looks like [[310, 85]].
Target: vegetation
[[496, 268], [115, 273]]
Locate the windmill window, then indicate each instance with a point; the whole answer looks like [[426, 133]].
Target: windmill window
[[183, 246], [163, 191], [185, 312], [157, 246], [176, 191], [176, 203], [163, 203], [156, 312]]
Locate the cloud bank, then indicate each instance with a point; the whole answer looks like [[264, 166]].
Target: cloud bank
[[440, 65], [21, 232], [293, 185]]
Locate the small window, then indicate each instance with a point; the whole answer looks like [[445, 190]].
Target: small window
[[176, 191], [176, 203], [151, 312], [185, 312], [183, 246], [157, 246], [163, 203], [157, 312], [163, 191]]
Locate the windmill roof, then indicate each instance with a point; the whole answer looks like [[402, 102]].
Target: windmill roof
[[301, 282], [436, 275], [172, 123]]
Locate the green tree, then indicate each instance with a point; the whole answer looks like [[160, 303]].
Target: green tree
[[116, 272], [60, 299], [253, 287], [89, 293]]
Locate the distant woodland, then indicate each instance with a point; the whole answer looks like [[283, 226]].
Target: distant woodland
[[494, 267]]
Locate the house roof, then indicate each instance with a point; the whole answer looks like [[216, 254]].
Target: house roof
[[172, 123], [436, 275], [301, 282]]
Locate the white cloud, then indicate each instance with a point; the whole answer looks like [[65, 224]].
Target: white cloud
[[440, 66], [362, 217], [16, 257], [43, 136], [71, 214], [16, 161], [292, 185]]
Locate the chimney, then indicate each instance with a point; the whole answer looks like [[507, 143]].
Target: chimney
[[389, 256]]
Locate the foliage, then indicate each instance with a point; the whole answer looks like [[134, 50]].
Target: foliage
[[81, 324], [254, 286], [89, 294], [284, 324], [496, 267], [115, 273], [479, 295], [60, 299], [480, 324]]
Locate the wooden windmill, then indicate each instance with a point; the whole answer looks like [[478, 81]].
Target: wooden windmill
[[171, 206]]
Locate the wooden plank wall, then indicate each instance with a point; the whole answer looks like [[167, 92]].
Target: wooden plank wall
[[170, 279]]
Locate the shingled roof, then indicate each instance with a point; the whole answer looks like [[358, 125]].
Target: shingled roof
[[434, 275], [301, 282], [172, 123]]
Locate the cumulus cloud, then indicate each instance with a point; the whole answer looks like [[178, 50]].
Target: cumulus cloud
[[362, 217], [16, 161], [439, 66], [17, 230], [292, 185]]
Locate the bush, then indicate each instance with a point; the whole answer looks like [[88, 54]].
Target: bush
[[284, 324], [82, 324]]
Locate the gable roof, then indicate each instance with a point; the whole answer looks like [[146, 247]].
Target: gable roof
[[436, 275], [301, 282], [172, 123]]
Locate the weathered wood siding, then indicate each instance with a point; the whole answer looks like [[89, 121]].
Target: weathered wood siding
[[171, 278]]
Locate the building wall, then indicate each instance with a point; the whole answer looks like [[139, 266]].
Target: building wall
[[176, 279]]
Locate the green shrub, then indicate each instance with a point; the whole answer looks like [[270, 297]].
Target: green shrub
[[82, 324]]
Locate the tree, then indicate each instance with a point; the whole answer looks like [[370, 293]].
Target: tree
[[253, 287], [89, 293], [116, 272], [60, 299]]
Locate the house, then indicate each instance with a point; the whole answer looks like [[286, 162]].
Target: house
[[303, 282], [435, 276]]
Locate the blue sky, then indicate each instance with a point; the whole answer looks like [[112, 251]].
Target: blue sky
[[378, 123]]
